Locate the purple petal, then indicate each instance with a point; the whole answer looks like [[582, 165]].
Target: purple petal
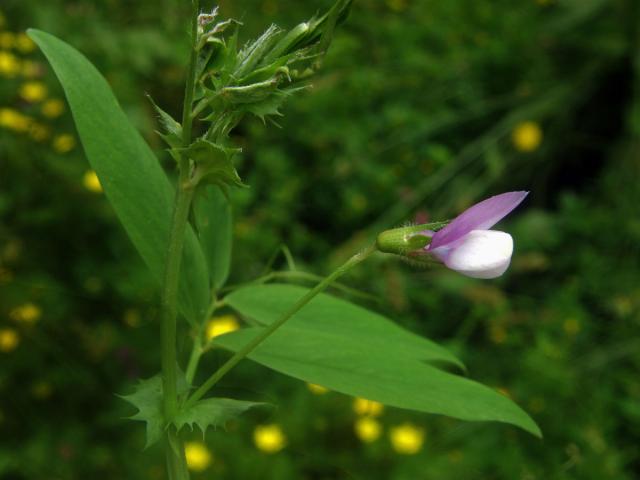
[[481, 216]]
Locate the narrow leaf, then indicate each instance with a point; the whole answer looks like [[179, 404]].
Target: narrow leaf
[[354, 366], [133, 181], [325, 313]]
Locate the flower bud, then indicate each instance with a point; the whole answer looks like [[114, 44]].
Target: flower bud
[[404, 240]]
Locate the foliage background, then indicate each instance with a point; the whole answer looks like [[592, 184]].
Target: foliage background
[[422, 108]]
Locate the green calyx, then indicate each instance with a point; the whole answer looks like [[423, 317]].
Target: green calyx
[[404, 240]]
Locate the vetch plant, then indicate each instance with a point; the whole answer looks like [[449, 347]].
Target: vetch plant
[[183, 232]]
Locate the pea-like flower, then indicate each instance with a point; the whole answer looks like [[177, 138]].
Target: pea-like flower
[[466, 244]]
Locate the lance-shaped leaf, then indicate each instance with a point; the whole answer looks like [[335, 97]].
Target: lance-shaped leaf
[[212, 412], [354, 366], [212, 214], [266, 303], [133, 181], [350, 350]]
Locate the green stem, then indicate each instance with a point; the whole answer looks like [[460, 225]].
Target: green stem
[[170, 295], [198, 348], [189, 89], [194, 358], [249, 347], [174, 449]]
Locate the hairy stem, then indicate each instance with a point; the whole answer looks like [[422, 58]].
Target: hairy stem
[[249, 347], [176, 462]]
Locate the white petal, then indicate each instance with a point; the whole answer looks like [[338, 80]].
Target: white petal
[[481, 254]]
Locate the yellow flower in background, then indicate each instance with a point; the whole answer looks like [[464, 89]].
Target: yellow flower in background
[[198, 456], [367, 429], [39, 132], [33, 92], [526, 136], [9, 64], [91, 182], [65, 143], [14, 120], [269, 438], [317, 389], [407, 439], [7, 40], [362, 406], [220, 325], [9, 340], [53, 108], [24, 44], [28, 313]]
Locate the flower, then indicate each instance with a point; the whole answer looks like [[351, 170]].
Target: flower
[[64, 143], [24, 44], [9, 64], [526, 136], [269, 438], [220, 325], [14, 120], [53, 108], [406, 439], [9, 340], [362, 406], [466, 245], [91, 182], [28, 313], [197, 455], [367, 429], [33, 92]]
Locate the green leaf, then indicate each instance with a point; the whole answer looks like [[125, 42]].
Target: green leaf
[[172, 130], [214, 163], [133, 181], [325, 313], [212, 412], [212, 213], [147, 398], [356, 352], [355, 367]]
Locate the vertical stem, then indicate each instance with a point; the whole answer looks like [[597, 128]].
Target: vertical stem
[[176, 462], [249, 347], [170, 297]]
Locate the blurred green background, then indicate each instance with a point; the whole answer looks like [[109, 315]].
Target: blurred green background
[[422, 108]]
